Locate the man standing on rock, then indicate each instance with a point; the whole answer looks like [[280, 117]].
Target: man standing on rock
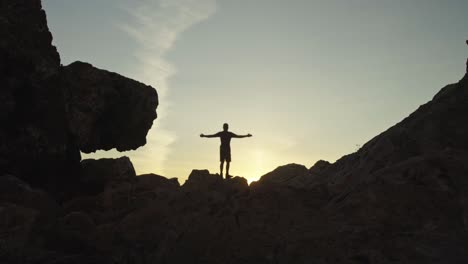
[[225, 148]]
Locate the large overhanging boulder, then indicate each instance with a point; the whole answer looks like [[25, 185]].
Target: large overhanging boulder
[[107, 110], [48, 113]]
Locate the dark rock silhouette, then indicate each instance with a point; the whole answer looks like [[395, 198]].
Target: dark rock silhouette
[[76, 232], [319, 167], [401, 198], [50, 113], [203, 181], [36, 144], [292, 175], [16, 191], [435, 129], [106, 110], [152, 182], [97, 174]]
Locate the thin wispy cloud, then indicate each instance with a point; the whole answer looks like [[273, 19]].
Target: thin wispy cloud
[[156, 26]]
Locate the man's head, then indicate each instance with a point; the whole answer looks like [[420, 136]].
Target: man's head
[[225, 127]]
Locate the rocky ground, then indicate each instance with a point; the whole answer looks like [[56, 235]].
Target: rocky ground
[[401, 198]]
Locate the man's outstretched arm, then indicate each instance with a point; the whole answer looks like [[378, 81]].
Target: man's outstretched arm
[[210, 136], [240, 136]]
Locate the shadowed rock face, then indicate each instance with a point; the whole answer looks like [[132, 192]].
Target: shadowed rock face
[[399, 205], [49, 113], [402, 198], [435, 128], [292, 175], [26, 42], [97, 174], [106, 110], [34, 134]]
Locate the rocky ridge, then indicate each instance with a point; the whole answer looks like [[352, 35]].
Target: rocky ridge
[[401, 198]]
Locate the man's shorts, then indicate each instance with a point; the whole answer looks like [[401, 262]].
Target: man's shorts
[[225, 154]]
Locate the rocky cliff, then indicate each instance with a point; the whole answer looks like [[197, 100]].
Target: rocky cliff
[[49, 113], [402, 198]]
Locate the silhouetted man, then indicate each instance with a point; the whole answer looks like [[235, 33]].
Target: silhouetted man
[[225, 148]]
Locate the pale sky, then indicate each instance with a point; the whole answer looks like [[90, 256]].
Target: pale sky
[[310, 79]]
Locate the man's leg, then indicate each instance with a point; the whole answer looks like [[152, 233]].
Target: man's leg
[[227, 170], [221, 168]]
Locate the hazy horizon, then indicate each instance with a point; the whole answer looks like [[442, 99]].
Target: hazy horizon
[[309, 79]]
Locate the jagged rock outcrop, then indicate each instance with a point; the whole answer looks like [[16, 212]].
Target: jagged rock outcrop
[[319, 167], [292, 175], [42, 107], [36, 144], [399, 204], [435, 127], [49, 113], [402, 198], [152, 182], [201, 182], [97, 174], [106, 110]]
